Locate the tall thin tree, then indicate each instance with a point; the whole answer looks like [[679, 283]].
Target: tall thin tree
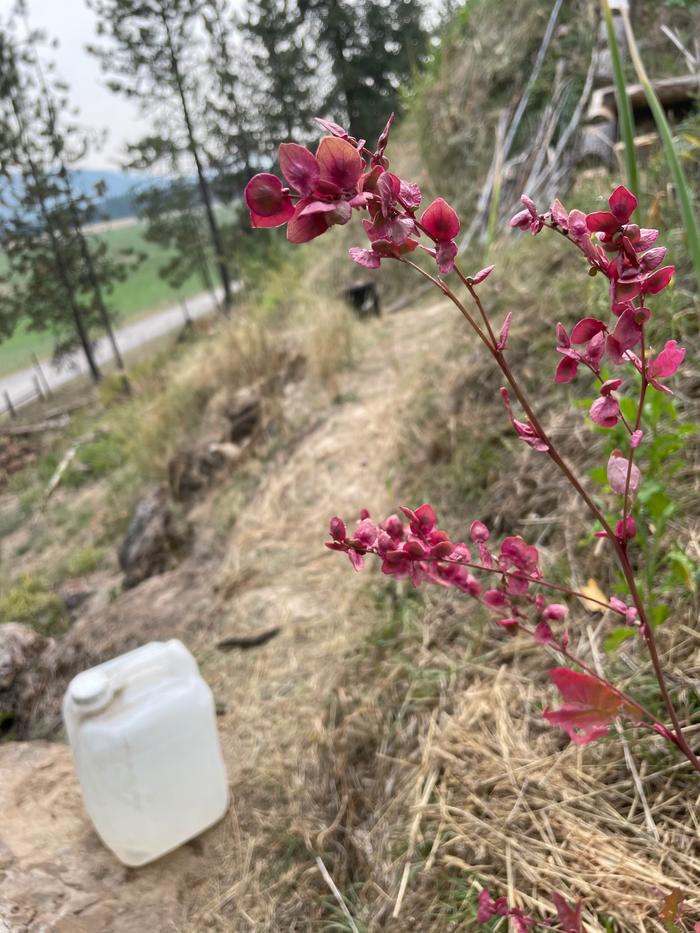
[[41, 284], [154, 51], [98, 269]]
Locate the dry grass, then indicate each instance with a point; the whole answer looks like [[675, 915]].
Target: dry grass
[[472, 787], [329, 342], [416, 765]]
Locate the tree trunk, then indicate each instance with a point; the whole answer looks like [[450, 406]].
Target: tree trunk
[[203, 184], [59, 263], [92, 273]]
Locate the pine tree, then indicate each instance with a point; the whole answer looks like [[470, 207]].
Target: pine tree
[[154, 50], [176, 223], [285, 94], [100, 270], [42, 284], [374, 48], [233, 126]]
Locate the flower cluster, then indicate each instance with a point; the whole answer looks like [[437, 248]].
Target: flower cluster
[[323, 190], [625, 254], [343, 176], [416, 549]]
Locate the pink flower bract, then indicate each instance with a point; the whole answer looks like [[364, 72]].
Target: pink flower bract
[[268, 203], [340, 163], [617, 474], [441, 221], [668, 360], [299, 167], [605, 411]]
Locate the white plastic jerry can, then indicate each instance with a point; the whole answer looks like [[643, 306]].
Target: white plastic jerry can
[[142, 729]]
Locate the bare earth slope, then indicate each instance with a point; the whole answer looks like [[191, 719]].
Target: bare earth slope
[[54, 872]]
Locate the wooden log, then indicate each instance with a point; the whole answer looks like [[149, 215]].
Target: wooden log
[[24, 430], [670, 91]]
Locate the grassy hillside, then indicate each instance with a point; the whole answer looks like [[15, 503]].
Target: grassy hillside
[[392, 735], [142, 292]]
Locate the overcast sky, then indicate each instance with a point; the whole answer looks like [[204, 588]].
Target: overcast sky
[[73, 24]]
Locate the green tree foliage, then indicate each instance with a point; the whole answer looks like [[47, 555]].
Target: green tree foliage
[[284, 94], [155, 52], [233, 127], [54, 278], [374, 48], [176, 222]]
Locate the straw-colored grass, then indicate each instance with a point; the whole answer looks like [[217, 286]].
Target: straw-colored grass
[[390, 753]]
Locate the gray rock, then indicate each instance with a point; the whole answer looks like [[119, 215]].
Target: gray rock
[[19, 647], [22, 676], [243, 412], [155, 541], [190, 471]]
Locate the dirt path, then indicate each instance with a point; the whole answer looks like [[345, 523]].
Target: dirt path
[[54, 873]]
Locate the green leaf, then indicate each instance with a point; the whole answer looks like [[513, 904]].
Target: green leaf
[[685, 568], [658, 615], [628, 407], [617, 636]]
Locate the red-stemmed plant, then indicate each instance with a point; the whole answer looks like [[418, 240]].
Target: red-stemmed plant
[[346, 176]]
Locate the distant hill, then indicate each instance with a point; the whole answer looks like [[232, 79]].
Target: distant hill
[[116, 183], [120, 189]]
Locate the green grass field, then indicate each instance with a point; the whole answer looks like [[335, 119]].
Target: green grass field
[[143, 292]]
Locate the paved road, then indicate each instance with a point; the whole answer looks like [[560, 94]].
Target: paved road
[[20, 385]]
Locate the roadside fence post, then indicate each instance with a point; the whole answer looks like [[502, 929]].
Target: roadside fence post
[[42, 376], [10, 406]]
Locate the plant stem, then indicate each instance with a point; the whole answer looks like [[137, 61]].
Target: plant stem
[[618, 547], [638, 421], [683, 189]]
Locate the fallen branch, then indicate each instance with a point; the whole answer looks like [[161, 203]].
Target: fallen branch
[[244, 642], [65, 462], [39, 427]]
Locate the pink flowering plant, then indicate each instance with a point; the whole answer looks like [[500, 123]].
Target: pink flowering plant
[[506, 577]]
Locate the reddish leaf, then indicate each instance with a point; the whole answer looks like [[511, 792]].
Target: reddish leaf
[[658, 280], [332, 127], [560, 215], [365, 257], [566, 370], [505, 330], [602, 222], [622, 203], [605, 411], [482, 275], [618, 467], [586, 329], [590, 706], [299, 167], [304, 227], [668, 360], [569, 917], [267, 202]]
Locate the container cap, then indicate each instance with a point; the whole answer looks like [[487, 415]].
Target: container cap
[[91, 689]]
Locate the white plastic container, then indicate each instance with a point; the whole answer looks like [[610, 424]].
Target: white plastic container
[[142, 729]]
